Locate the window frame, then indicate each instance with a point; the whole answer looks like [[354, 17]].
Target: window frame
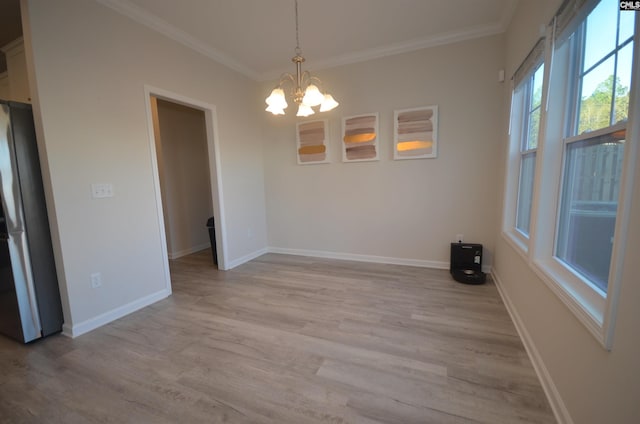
[[519, 119], [525, 151]]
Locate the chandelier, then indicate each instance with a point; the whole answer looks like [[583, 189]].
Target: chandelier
[[304, 88]]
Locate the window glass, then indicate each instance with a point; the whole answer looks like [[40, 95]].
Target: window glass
[[534, 109], [623, 83], [600, 38], [525, 192], [537, 87], [627, 22], [534, 128], [595, 101], [589, 204]]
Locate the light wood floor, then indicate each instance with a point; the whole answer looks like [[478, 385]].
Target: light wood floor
[[286, 339]]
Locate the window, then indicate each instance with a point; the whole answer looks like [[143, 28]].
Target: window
[[571, 141], [532, 92], [594, 148], [526, 114]]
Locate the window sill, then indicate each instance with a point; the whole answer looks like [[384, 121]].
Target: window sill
[[517, 242]]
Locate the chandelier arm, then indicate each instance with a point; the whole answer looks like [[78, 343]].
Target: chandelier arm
[[305, 78], [314, 79], [286, 77], [287, 82]]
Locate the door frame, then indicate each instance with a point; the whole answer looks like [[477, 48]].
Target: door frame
[[215, 174]]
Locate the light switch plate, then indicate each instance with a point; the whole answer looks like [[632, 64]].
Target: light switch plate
[[96, 280], [99, 191]]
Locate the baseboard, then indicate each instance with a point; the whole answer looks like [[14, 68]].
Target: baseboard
[[360, 258], [246, 258], [345, 257], [112, 315], [555, 400], [185, 252]]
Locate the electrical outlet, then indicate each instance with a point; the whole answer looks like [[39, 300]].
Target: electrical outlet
[[96, 280], [249, 233], [459, 238]]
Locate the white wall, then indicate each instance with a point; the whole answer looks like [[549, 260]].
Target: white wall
[[595, 386], [184, 177], [91, 65], [407, 210]]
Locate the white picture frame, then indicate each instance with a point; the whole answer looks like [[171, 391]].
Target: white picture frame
[[311, 142], [360, 138], [415, 133]]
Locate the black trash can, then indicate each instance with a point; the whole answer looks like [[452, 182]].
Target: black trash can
[[212, 237]]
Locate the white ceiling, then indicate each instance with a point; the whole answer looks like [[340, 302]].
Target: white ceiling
[[257, 37]]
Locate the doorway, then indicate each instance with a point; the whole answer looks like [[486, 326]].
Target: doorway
[[186, 165]]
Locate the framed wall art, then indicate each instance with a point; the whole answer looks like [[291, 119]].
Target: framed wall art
[[415, 133], [311, 137], [360, 138]]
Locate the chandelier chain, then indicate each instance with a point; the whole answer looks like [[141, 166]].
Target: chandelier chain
[[298, 50]]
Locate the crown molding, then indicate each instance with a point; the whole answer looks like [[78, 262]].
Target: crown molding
[[398, 48], [136, 13], [152, 21]]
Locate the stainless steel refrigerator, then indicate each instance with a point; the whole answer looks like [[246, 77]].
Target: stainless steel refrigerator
[[30, 305]]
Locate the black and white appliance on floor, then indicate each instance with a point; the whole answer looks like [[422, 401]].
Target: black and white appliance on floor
[[466, 263], [30, 306]]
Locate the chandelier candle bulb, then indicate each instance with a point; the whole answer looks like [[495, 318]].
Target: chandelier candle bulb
[[304, 110], [312, 96], [275, 110], [328, 103], [277, 99]]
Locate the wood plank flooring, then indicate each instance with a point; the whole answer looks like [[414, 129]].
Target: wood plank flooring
[[286, 339]]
